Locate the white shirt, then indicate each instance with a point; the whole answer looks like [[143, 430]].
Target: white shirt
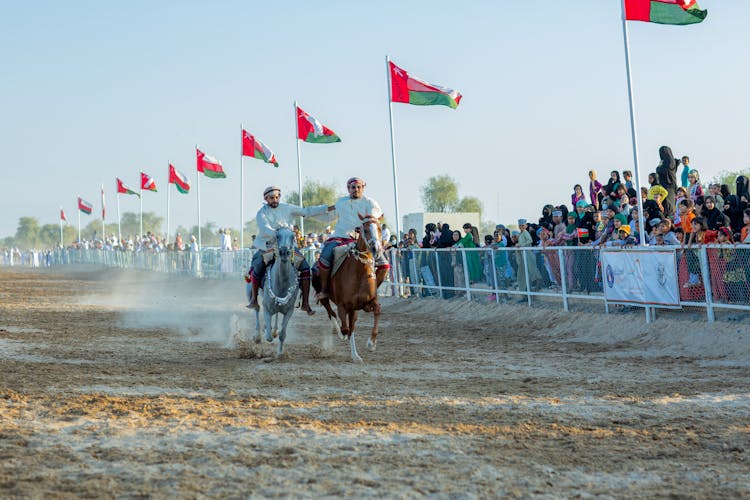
[[348, 210], [270, 219]]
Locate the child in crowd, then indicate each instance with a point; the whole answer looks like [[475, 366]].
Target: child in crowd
[[694, 188], [577, 194], [745, 231], [595, 189], [681, 194]]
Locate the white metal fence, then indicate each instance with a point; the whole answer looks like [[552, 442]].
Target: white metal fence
[[712, 277]]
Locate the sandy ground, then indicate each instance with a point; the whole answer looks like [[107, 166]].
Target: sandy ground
[[118, 383]]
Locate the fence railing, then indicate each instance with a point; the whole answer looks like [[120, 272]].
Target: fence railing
[[710, 276]]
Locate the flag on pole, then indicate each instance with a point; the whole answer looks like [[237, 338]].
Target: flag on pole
[[147, 182], [122, 188], [664, 11], [179, 179], [410, 89], [84, 206], [210, 166], [254, 148], [310, 129], [62, 215], [104, 207]]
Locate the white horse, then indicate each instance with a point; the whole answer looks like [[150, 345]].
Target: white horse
[[280, 289]]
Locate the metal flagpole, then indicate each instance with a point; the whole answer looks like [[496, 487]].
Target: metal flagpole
[[119, 228], [641, 232], [641, 224], [168, 196], [393, 147], [103, 234], [242, 187], [79, 220], [198, 189], [140, 235], [299, 168], [61, 228]]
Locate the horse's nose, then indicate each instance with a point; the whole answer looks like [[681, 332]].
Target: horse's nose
[[284, 252]]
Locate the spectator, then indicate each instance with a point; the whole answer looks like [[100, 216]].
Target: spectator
[[578, 194], [472, 258], [694, 189], [684, 182], [686, 217], [444, 259], [680, 194], [652, 180], [745, 232], [612, 183], [714, 218], [595, 190], [624, 236], [627, 177], [667, 176], [525, 241]]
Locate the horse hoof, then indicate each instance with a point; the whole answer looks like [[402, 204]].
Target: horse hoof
[[357, 360], [256, 339], [269, 339], [371, 345], [275, 334]]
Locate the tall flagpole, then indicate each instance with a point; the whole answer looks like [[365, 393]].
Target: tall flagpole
[[168, 191], [140, 235], [79, 220], [242, 188], [393, 147], [61, 228], [299, 168], [198, 189], [642, 227], [103, 209], [119, 228]]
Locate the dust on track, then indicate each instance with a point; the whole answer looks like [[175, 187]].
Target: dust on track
[[122, 383]]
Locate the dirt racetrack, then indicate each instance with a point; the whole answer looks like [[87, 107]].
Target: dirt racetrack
[[127, 384]]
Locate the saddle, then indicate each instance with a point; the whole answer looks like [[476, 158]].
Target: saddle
[[339, 255]]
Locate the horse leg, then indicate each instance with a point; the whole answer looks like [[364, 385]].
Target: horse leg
[[268, 316], [373, 340], [344, 317], [275, 332], [282, 332], [353, 345], [256, 338]]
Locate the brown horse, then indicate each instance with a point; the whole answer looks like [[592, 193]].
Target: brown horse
[[355, 285]]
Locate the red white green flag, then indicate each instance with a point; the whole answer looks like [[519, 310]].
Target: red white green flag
[[410, 89], [210, 166], [84, 206], [62, 215], [179, 179], [147, 182], [309, 129], [664, 11], [256, 149], [122, 188]]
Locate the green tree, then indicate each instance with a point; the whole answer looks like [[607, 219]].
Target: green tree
[[27, 233], [440, 194], [729, 178], [470, 204], [313, 193], [130, 223]]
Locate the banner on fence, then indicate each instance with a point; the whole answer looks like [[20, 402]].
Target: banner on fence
[[646, 277]]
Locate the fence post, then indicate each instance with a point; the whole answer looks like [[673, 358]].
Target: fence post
[[439, 280], [526, 272], [563, 279], [466, 274], [707, 285], [494, 274]]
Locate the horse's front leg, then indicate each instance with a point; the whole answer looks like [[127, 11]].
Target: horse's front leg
[[372, 342], [267, 316], [256, 338], [352, 344], [344, 317], [282, 332]]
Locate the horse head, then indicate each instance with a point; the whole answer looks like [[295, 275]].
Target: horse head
[[284, 243], [370, 233]]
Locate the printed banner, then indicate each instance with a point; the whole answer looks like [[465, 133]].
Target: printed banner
[[647, 277]]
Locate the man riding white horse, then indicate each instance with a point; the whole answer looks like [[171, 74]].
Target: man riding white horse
[[270, 217], [348, 209]]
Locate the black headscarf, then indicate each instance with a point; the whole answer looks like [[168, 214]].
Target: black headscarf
[[666, 172], [743, 188], [446, 237], [427, 236]]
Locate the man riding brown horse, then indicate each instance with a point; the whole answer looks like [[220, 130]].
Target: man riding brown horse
[[349, 210]]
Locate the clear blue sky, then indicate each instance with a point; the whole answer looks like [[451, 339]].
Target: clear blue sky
[[94, 90]]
